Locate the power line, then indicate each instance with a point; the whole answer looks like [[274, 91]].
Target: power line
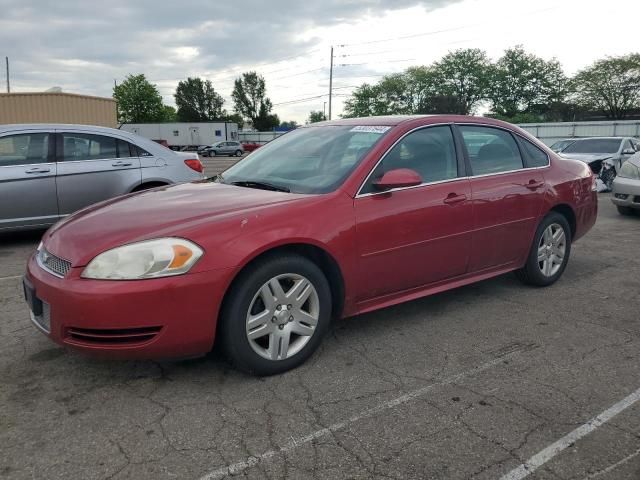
[[436, 32], [369, 63]]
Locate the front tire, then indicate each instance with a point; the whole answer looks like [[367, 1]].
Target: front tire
[[212, 153], [624, 210], [238, 153], [549, 252], [275, 315]]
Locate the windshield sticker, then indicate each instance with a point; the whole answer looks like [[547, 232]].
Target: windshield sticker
[[370, 129]]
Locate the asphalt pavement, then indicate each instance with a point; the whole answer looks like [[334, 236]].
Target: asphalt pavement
[[491, 381]]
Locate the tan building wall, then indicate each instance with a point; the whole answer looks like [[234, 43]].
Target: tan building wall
[[57, 108]]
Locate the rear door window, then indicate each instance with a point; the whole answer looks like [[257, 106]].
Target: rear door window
[[24, 149], [534, 156], [491, 150], [123, 149], [83, 146]]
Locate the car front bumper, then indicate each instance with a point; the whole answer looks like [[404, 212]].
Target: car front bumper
[[172, 317], [626, 192]]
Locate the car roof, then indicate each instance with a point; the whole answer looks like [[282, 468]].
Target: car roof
[[393, 120], [140, 141]]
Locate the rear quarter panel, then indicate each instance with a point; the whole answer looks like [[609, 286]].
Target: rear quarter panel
[[570, 183]]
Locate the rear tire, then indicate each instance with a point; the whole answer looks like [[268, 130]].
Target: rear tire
[[624, 210], [549, 252], [275, 315]]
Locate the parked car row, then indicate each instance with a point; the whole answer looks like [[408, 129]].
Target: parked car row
[[50, 171]]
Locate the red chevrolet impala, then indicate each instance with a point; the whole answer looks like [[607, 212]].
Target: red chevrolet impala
[[329, 220]]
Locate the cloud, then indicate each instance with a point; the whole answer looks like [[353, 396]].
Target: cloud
[[84, 45]]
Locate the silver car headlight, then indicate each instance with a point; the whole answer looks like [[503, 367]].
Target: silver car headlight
[[162, 257]]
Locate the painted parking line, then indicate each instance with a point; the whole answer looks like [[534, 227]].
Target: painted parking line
[[249, 462], [557, 447], [15, 277], [611, 468]]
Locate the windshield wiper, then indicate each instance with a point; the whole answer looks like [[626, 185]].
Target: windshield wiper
[[262, 185]]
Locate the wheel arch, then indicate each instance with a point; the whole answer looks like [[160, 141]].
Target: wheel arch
[[149, 184], [318, 255], [567, 212]]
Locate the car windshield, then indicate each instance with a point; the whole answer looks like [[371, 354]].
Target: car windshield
[[306, 160], [594, 145], [558, 146]]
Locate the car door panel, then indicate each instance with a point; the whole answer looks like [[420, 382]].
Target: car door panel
[[27, 180], [413, 237], [506, 209], [83, 179]]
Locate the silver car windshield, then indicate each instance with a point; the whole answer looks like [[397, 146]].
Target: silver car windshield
[[594, 145], [306, 160]]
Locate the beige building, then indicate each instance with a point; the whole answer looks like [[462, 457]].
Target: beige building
[[55, 107]]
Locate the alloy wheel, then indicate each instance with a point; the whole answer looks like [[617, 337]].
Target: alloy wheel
[[551, 249], [282, 316]]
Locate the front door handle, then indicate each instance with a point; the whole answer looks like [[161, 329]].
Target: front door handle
[[37, 170], [533, 185], [454, 198], [121, 164]]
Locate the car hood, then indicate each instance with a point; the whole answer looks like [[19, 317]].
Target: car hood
[[587, 157], [160, 212]]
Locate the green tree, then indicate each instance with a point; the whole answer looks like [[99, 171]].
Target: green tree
[[522, 82], [610, 85], [197, 101], [464, 77], [316, 116], [138, 100], [250, 100], [169, 114], [235, 118], [290, 125]]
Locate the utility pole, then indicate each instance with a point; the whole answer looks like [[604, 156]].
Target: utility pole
[[324, 110], [8, 83], [330, 83]]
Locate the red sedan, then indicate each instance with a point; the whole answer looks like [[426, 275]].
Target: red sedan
[[329, 220]]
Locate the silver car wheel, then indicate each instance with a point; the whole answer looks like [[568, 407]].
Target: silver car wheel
[[551, 250], [282, 316]]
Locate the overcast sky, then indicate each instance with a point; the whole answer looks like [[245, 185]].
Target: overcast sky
[[83, 45]]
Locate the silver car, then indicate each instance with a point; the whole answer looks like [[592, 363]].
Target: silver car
[[626, 186], [224, 148], [49, 171]]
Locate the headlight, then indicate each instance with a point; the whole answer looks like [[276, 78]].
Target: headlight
[[629, 170], [149, 259]]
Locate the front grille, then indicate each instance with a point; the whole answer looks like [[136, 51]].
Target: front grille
[[120, 336], [51, 263], [43, 321]]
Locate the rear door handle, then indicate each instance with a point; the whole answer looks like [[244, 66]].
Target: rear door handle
[[454, 198], [121, 164], [533, 185], [37, 170]]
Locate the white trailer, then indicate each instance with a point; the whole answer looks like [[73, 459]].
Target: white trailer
[[185, 135], [550, 133]]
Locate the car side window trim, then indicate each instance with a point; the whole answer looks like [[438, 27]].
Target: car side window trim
[[459, 163], [517, 138]]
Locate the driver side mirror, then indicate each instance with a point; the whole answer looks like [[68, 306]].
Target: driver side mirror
[[398, 178]]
